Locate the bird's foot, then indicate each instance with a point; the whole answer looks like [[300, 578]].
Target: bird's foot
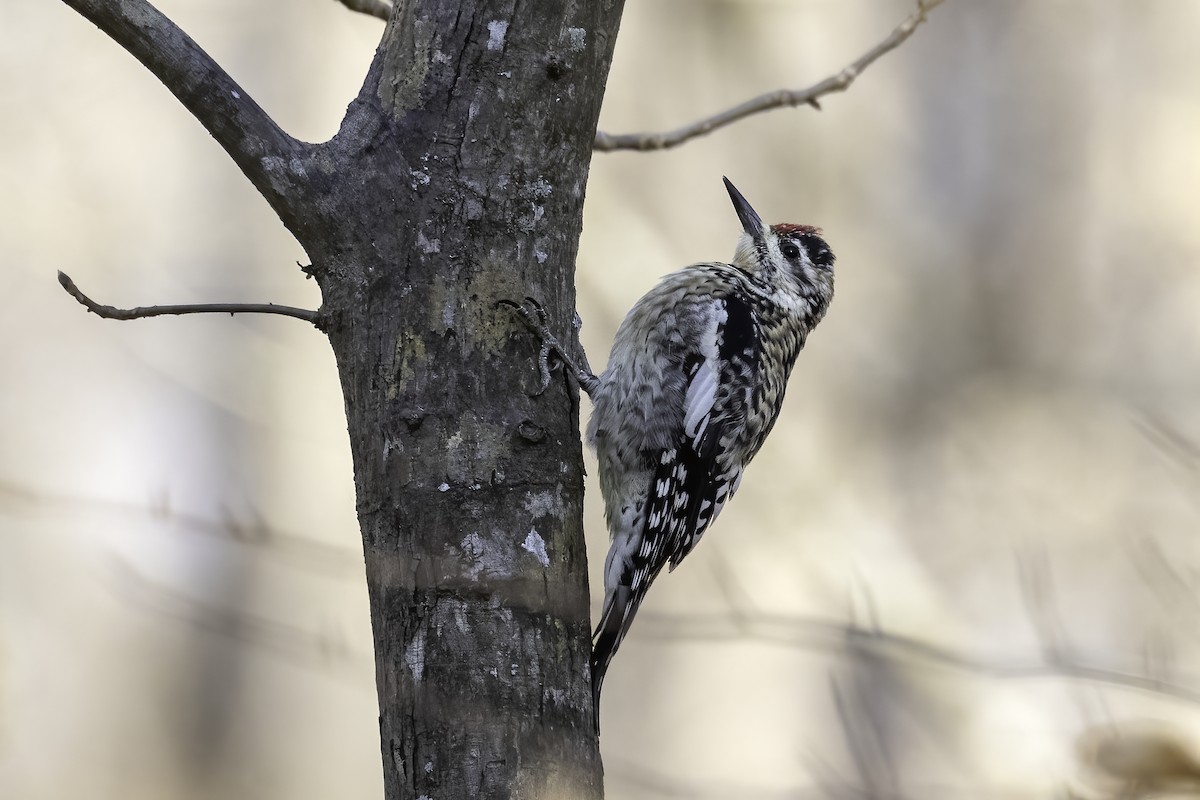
[[534, 316]]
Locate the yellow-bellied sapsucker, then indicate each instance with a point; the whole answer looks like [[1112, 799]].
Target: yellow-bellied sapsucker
[[694, 383]]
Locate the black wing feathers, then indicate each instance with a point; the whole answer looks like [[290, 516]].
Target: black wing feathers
[[706, 487]]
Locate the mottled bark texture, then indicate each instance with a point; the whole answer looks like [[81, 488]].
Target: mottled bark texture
[[456, 181]]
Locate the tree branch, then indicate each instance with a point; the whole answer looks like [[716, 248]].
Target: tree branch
[[111, 312], [380, 9], [840, 82], [261, 149]]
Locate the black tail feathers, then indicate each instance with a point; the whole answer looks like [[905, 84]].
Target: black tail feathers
[[614, 624]]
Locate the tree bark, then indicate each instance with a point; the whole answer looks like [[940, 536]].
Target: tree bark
[[456, 180]]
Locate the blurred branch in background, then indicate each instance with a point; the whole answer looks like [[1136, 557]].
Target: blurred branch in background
[[876, 705], [1168, 439], [1037, 592], [141, 312], [867, 740], [639, 781], [1176, 594], [372, 8], [830, 635], [326, 651], [292, 550], [783, 98]]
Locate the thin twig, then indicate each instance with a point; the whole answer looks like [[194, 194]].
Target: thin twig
[[380, 9], [771, 100], [111, 312]]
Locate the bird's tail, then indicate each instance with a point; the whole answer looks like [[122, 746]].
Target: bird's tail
[[619, 609]]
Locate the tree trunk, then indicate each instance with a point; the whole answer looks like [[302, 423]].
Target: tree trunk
[[457, 180]]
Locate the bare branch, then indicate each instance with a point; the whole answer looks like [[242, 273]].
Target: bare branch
[[111, 312], [261, 149], [782, 98], [372, 8]]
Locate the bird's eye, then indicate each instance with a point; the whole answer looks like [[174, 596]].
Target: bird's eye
[[790, 250]]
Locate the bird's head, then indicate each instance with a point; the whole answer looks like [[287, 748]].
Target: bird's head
[[788, 255]]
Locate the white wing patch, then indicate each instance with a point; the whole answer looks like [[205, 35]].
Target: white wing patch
[[701, 394], [702, 390]]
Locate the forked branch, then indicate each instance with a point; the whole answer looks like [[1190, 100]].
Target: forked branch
[[782, 98], [261, 149], [141, 312]]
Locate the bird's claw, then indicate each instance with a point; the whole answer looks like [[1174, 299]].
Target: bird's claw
[[534, 316]]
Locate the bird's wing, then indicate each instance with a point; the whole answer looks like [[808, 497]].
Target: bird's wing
[[718, 400], [692, 478]]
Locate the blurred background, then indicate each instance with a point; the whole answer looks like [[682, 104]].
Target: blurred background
[[965, 565]]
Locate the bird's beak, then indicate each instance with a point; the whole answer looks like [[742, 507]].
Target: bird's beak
[[752, 223]]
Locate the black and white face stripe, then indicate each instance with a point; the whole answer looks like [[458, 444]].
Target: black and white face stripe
[[818, 250], [794, 245]]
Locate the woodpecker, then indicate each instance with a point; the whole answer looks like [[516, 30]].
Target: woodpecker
[[693, 386]]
